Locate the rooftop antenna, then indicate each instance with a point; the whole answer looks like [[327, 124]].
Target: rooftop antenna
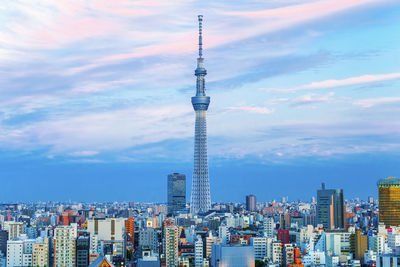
[[200, 35]]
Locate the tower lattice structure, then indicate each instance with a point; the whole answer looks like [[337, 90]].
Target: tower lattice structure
[[200, 198]]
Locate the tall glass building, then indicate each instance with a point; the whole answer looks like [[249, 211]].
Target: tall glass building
[[176, 193], [389, 201], [330, 208]]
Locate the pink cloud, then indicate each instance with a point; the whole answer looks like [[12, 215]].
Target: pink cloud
[[368, 78], [252, 109]]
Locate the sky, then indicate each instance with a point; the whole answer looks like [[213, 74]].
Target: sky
[[95, 97]]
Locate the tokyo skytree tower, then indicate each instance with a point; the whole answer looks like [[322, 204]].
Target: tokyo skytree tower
[[200, 198]]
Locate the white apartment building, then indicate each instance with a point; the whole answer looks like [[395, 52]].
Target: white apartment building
[[65, 246], [260, 247], [198, 252]]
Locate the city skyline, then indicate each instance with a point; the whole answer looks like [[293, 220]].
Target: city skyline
[[95, 95]]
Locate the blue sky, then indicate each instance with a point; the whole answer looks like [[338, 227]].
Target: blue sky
[[95, 97]]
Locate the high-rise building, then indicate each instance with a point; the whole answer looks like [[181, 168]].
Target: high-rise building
[[15, 229], [176, 193], [3, 242], [330, 208], [269, 226], [40, 253], [389, 201], [198, 252], [224, 234], [65, 245], [130, 231], [232, 256], [200, 198], [358, 244], [19, 252], [171, 245], [260, 247], [148, 238], [82, 251], [251, 203]]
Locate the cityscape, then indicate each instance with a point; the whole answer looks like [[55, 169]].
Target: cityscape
[[64, 203]]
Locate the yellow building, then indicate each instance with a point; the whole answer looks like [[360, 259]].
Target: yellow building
[[389, 201], [40, 254]]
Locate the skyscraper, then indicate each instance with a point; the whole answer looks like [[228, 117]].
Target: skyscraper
[[389, 201], [176, 192], [251, 203], [200, 198], [330, 208]]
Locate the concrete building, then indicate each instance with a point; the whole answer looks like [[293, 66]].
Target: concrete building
[[269, 226], [376, 243], [198, 252], [40, 252], [224, 234], [65, 246], [358, 244], [110, 229], [15, 229], [19, 252], [171, 235], [148, 237], [277, 252], [260, 247]]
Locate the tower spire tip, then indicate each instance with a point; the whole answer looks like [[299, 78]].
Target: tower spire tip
[[200, 17]]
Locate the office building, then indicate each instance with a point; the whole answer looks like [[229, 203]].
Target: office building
[[82, 251], [330, 208], [3, 242], [251, 203], [65, 245], [176, 193], [200, 197], [232, 256], [389, 201]]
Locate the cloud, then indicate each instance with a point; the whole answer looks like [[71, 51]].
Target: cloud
[[253, 109], [363, 79], [312, 99], [370, 102], [84, 153]]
